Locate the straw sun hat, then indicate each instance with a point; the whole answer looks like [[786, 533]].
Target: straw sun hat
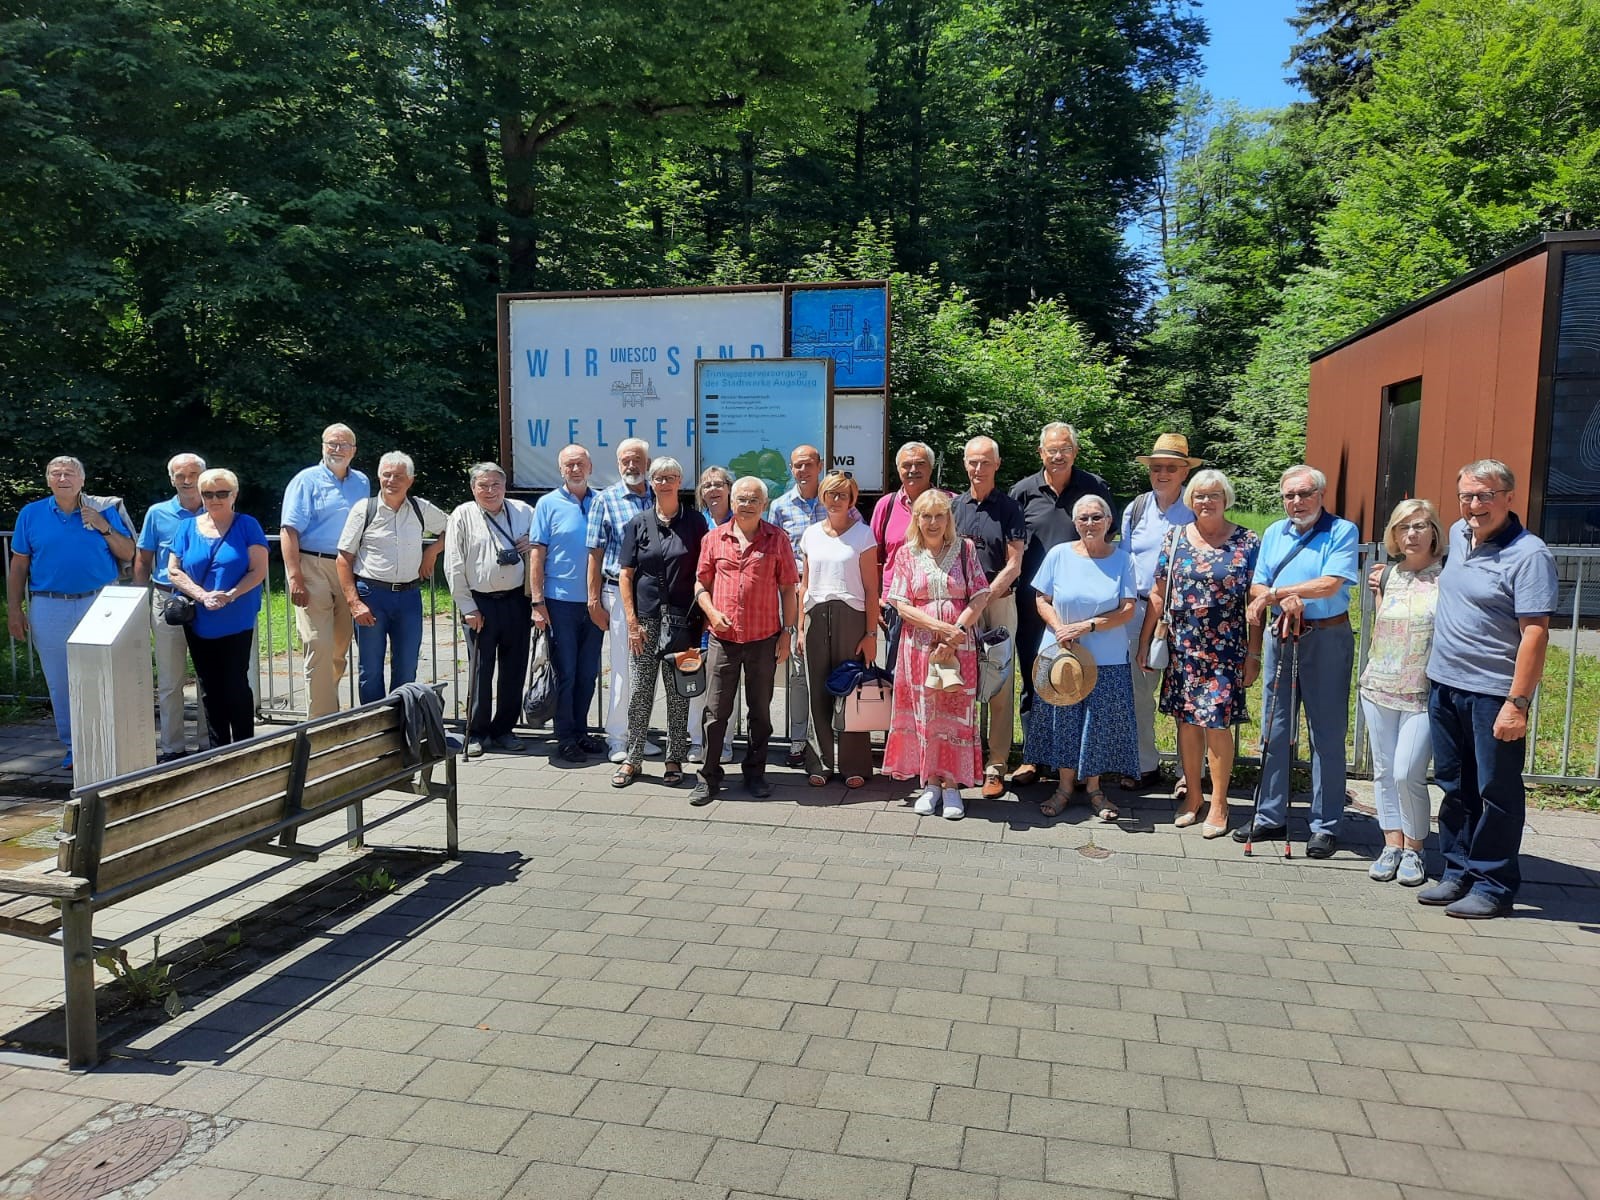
[[1170, 445], [1064, 675]]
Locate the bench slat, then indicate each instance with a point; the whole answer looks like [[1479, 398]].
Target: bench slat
[[43, 878], [30, 917]]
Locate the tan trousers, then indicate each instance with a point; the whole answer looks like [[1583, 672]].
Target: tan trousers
[[1002, 706], [326, 627]]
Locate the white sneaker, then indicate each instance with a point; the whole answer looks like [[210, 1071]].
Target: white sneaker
[[697, 753], [1383, 870], [617, 753], [1412, 872], [651, 750], [727, 750], [927, 802], [954, 809]]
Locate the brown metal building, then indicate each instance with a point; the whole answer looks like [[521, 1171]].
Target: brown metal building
[[1503, 363]]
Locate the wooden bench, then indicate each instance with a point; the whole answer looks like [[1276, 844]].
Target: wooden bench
[[126, 835]]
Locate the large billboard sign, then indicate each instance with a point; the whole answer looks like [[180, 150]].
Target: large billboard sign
[[599, 367]]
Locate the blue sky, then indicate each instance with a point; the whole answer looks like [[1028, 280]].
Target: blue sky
[[1249, 41]]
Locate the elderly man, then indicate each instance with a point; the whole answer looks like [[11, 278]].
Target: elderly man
[[558, 578], [994, 522], [1490, 633], [1047, 497], [383, 568], [891, 517], [63, 552], [161, 524], [1301, 590], [485, 560], [794, 512], [746, 576], [316, 505], [608, 520], [1146, 524]]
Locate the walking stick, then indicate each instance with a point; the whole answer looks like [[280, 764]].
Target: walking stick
[[1292, 641]]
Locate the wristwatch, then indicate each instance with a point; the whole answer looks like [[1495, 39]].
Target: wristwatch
[[790, 630], [1520, 703]]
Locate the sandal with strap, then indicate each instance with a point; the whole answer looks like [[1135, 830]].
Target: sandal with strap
[[1103, 808], [1057, 804], [625, 775], [672, 774]]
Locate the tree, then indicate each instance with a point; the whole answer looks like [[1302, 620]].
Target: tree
[[1334, 55]]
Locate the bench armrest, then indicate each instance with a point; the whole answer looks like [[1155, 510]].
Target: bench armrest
[[43, 879]]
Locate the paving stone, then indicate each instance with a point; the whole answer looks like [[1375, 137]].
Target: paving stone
[[837, 1177], [736, 1117], [883, 1096], [1009, 1155], [619, 1147], [1147, 1172], [361, 1162], [552, 1181], [921, 1141], [935, 1183], [804, 1128], [744, 1165], [1284, 1183]]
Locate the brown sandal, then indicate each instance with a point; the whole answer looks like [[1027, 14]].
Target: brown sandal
[[1103, 808], [1057, 804]]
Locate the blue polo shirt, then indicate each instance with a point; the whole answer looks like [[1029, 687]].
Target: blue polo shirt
[[1145, 540], [1334, 549], [220, 571], [1482, 594], [561, 526], [161, 525], [64, 554], [316, 503]]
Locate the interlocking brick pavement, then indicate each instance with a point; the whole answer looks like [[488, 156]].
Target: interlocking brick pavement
[[823, 996]]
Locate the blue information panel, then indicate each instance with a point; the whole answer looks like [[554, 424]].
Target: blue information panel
[[752, 412], [846, 324]]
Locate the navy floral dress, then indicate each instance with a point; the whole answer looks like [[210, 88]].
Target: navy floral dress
[[1206, 626]]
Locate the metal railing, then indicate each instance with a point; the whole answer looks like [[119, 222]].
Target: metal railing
[[1559, 751]]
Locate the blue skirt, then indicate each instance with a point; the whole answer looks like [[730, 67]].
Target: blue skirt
[[1092, 737]]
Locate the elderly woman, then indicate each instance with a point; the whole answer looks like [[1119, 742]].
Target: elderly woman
[[660, 551], [715, 498], [1201, 589], [63, 552], [891, 525], [839, 598], [1394, 688], [1085, 594], [939, 591], [219, 560]]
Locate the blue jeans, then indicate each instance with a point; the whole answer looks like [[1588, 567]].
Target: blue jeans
[[575, 650], [1326, 656], [1485, 803], [398, 629], [53, 621]]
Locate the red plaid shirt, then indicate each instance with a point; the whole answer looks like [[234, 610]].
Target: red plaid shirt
[[744, 580]]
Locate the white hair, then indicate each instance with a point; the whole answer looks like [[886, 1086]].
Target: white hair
[[988, 443], [177, 460], [927, 452], [399, 458], [1318, 479], [1492, 469], [1091, 498], [627, 444], [478, 470], [76, 463], [665, 465], [1059, 427], [1209, 478], [752, 480]]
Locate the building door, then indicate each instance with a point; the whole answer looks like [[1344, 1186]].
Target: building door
[[1397, 448]]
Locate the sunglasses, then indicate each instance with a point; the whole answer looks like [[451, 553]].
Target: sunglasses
[[338, 447], [223, 495], [1305, 494]]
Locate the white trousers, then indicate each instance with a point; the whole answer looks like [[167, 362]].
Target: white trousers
[[619, 667], [1145, 686], [1401, 747]]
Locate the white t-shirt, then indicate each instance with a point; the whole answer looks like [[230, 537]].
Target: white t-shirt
[[835, 564]]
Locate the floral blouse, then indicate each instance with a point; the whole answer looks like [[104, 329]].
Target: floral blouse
[[1396, 674]]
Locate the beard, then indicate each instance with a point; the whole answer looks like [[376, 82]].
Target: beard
[[632, 480]]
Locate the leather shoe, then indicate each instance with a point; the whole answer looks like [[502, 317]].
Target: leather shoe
[[1321, 845], [1478, 906], [591, 745], [572, 752], [704, 793], [1446, 891], [1258, 833], [508, 743], [796, 759], [994, 786], [758, 786]]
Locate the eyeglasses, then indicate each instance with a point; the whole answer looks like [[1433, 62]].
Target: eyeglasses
[[1206, 498], [1416, 527], [1092, 518], [1053, 454], [222, 495], [339, 446], [1302, 494], [1481, 497]]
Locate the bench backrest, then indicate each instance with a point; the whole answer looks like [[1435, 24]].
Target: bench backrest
[[128, 829]]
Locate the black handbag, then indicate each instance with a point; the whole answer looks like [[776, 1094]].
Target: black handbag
[[178, 609], [680, 630]]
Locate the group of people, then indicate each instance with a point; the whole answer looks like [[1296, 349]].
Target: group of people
[[1180, 615]]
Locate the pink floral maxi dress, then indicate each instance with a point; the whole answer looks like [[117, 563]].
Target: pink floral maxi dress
[[934, 735]]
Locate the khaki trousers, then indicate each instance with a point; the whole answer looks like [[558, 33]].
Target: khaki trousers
[[326, 627], [1002, 705]]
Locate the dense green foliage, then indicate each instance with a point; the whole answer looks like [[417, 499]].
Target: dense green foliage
[[223, 224]]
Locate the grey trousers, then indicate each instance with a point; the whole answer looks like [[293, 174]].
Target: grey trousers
[[1326, 656], [833, 631]]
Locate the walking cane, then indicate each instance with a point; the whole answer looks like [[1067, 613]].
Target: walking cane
[[1292, 641]]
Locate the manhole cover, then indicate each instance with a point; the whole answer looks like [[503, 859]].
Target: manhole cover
[[121, 1155], [1093, 851]]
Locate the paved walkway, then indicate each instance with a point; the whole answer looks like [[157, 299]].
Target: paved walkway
[[823, 996]]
